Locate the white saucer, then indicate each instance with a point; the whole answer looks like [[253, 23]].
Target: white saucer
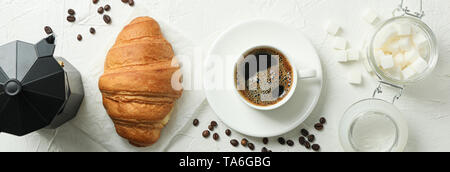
[[235, 113]]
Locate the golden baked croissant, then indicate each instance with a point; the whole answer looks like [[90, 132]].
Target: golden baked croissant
[[136, 86]]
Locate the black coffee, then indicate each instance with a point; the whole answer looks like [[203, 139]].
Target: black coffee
[[263, 76]]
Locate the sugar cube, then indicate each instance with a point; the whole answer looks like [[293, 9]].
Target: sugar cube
[[378, 54], [333, 29], [367, 65], [399, 60], [355, 77], [395, 72], [387, 62], [340, 43], [404, 44], [411, 56], [385, 35], [420, 41], [393, 47], [408, 72], [371, 17], [403, 29], [341, 56], [353, 55], [420, 65]]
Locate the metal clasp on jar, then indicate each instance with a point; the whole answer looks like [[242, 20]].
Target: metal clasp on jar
[[403, 10], [379, 90]]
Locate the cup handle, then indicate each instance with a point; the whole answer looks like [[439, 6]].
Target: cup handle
[[307, 73]]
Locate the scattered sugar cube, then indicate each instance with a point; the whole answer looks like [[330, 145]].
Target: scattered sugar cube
[[371, 17], [404, 44], [340, 43], [333, 29], [387, 62], [355, 77], [411, 56], [420, 41], [403, 29], [341, 56], [420, 65], [408, 72], [353, 55]]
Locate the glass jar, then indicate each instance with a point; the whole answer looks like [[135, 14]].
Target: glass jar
[[376, 125]]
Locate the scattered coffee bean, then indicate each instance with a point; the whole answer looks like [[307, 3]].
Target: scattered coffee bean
[[316, 147], [216, 136], [264, 149], [265, 141], [211, 128], [71, 18], [195, 122], [307, 145], [269, 151], [95, 1], [125, 1], [214, 123], [48, 30], [311, 138], [244, 142], [71, 12], [107, 19], [101, 10], [282, 141], [206, 133], [290, 143], [107, 7], [304, 132], [234, 142], [228, 132], [323, 120], [79, 37], [131, 2], [92, 30], [318, 126], [302, 140], [251, 146]]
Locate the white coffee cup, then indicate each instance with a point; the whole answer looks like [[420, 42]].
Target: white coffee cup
[[298, 74]]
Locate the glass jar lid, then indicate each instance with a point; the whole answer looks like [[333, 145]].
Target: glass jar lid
[[373, 125]]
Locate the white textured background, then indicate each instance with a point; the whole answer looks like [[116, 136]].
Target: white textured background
[[425, 105]]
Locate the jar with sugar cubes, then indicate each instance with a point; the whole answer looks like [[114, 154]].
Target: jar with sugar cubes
[[401, 51]]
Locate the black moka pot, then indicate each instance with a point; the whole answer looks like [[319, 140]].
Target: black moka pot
[[37, 90]]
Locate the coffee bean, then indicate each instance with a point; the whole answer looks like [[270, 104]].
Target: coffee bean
[[71, 12], [264, 149], [234, 142], [107, 7], [196, 122], [79, 37], [318, 126], [211, 128], [92, 30], [125, 1], [323, 120], [131, 2], [302, 140], [214, 123], [316, 147], [290, 143], [228, 132], [244, 142], [107, 19], [307, 145], [282, 141], [71, 19], [311, 138], [95, 1], [100, 10], [216, 136], [206, 134], [251, 146], [48, 30], [269, 151], [304, 132], [265, 141]]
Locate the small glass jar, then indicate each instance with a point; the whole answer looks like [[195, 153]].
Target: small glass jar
[[376, 125]]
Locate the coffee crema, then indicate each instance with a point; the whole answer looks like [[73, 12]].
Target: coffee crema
[[263, 76]]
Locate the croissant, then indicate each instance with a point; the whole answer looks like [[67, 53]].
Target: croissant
[[137, 84]]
